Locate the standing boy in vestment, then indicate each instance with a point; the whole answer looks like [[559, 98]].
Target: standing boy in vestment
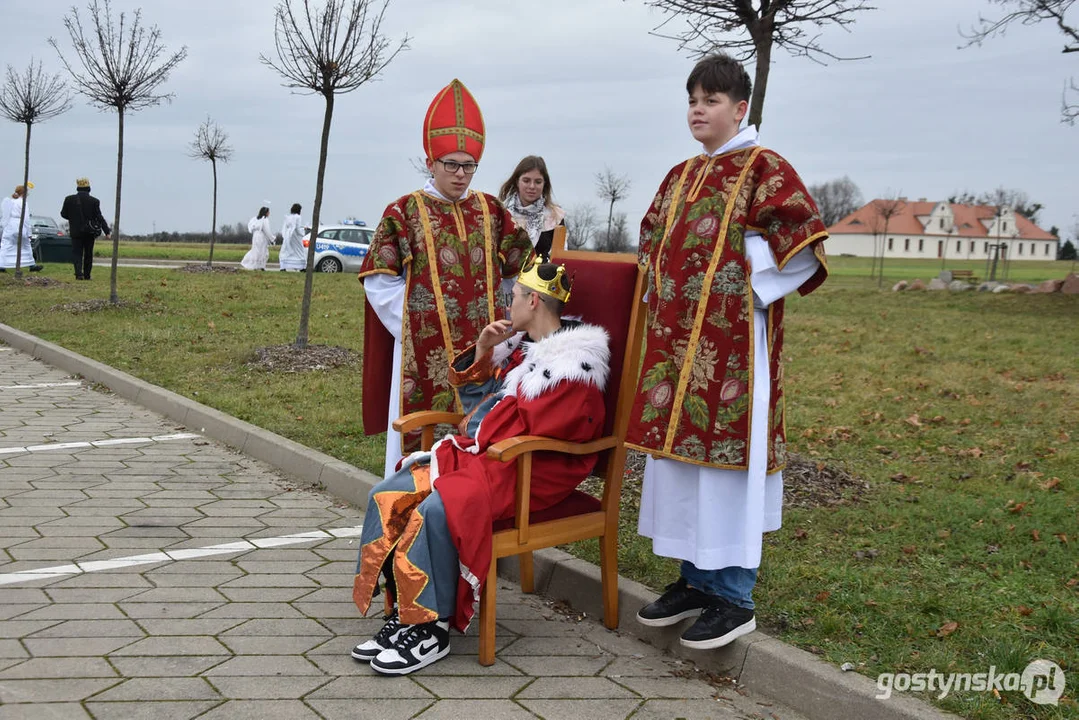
[[729, 234]]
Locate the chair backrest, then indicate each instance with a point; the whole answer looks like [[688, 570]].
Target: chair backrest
[[607, 289]]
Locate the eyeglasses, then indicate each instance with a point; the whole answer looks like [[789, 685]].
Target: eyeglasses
[[452, 166]]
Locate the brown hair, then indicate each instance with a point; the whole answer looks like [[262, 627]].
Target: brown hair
[[720, 73], [527, 164]]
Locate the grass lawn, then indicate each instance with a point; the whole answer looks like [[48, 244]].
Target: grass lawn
[[961, 411], [194, 252]]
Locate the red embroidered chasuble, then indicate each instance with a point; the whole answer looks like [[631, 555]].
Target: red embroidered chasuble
[[693, 396], [454, 256]]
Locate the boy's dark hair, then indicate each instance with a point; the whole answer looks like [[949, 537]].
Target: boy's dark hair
[[720, 73], [295, 209]]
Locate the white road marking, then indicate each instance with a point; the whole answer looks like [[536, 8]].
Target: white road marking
[[40, 385], [176, 555], [52, 447]]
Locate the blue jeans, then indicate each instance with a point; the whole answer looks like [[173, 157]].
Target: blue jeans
[[734, 584]]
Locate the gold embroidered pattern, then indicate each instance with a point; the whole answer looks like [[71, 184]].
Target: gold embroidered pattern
[[702, 306]]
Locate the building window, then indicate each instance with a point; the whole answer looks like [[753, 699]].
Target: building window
[[921, 244], [958, 246], [971, 247], [906, 245], [1046, 248], [942, 223], [985, 249], [890, 241], [1020, 248]]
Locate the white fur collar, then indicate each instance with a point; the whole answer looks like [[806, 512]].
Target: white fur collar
[[577, 353]]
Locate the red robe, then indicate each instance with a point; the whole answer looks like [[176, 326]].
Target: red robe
[[693, 396], [553, 388]]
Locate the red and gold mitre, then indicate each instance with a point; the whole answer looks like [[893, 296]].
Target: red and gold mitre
[[453, 123]]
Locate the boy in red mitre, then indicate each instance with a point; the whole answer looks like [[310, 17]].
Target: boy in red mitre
[[428, 526], [433, 273], [729, 234]]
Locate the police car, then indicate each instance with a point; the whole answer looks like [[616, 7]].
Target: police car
[[340, 248]]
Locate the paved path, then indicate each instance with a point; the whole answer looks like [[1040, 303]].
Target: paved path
[[147, 572]]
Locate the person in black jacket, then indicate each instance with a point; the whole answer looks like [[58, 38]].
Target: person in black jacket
[[83, 214]]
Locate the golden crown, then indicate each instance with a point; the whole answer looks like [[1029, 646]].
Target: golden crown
[[557, 286]]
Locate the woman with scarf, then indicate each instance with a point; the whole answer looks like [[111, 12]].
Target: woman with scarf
[[527, 195]]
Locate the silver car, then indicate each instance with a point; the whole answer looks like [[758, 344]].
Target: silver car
[[340, 248]]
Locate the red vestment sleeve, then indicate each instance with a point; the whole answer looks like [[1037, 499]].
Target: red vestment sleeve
[[377, 372]]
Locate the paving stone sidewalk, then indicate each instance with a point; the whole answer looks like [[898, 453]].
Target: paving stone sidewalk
[[115, 602]]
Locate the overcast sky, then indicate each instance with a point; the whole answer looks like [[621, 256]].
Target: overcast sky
[[580, 82]]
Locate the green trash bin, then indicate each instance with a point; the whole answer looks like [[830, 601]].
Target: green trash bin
[[54, 249]]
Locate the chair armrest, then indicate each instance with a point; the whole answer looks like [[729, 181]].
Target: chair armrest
[[510, 448], [425, 418]]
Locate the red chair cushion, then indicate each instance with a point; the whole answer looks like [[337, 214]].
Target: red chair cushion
[[578, 503]]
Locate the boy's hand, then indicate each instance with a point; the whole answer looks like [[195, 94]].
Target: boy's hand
[[493, 334]]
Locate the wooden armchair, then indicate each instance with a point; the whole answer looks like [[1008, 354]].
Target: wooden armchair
[[607, 291]]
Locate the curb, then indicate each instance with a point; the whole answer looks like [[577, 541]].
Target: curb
[[791, 676]]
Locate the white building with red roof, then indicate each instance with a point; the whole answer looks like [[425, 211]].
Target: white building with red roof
[[925, 229]]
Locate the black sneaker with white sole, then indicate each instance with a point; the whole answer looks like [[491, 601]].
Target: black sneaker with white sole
[[719, 624], [383, 639], [417, 647], [678, 601]]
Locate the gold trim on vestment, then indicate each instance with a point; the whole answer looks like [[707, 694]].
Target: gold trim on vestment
[[488, 259], [671, 213], [699, 182], [823, 235], [702, 304], [432, 264]]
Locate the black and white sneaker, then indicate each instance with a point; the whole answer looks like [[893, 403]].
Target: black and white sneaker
[[383, 639], [678, 601], [719, 624], [418, 646]]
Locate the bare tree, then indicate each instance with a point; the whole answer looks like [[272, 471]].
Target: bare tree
[[328, 51], [581, 224], [117, 65], [1033, 12], [616, 239], [836, 199], [28, 98], [420, 165], [749, 29], [611, 188], [211, 143], [884, 210], [1017, 200]]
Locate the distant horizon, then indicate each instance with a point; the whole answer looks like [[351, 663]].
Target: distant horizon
[[587, 87]]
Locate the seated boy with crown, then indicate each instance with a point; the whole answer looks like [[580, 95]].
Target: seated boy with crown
[[428, 526]]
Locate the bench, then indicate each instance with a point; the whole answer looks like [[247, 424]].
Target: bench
[[965, 275]]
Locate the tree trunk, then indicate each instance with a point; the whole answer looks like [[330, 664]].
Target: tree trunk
[[883, 249], [305, 307], [213, 226], [873, 263], [114, 298], [610, 217], [22, 212], [763, 43]]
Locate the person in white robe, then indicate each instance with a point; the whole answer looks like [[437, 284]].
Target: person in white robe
[[262, 238], [293, 255], [11, 209]]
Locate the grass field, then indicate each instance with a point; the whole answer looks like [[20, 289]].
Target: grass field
[[194, 252], [959, 410]]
